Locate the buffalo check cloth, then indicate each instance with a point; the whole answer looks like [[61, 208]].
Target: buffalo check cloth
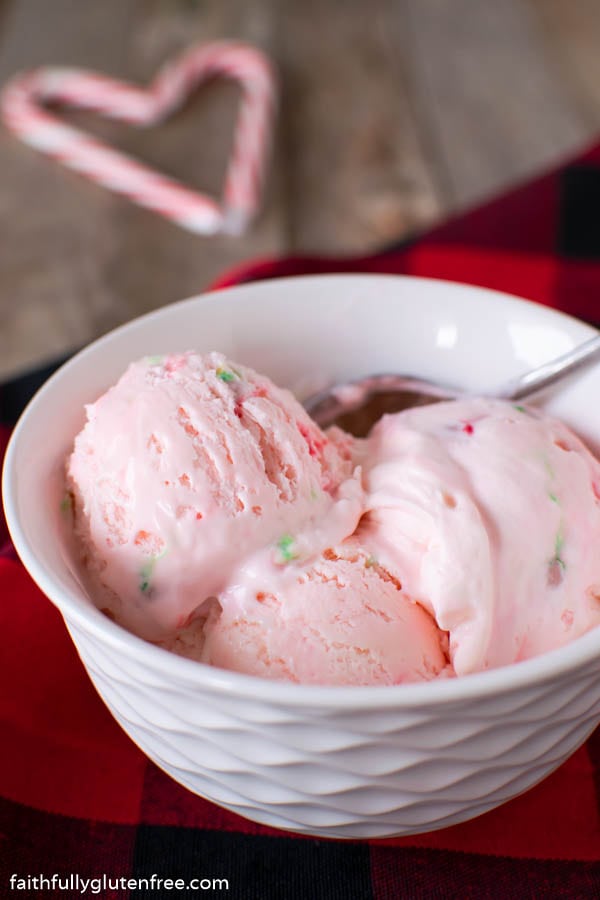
[[79, 801]]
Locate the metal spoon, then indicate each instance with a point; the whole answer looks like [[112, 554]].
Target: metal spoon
[[340, 400]]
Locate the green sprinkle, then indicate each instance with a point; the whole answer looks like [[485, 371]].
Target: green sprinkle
[[147, 570], [553, 497], [371, 561], [225, 375], [154, 360], [519, 408], [284, 545], [66, 504], [313, 494], [559, 542], [145, 576]]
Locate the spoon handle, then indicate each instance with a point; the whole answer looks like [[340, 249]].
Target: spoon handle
[[341, 399], [547, 374]]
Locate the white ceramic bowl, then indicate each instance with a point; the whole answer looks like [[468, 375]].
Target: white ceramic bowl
[[339, 762]]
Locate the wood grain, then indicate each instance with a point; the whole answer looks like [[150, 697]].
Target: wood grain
[[491, 101], [76, 260], [354, 172], [571, 33], [394, 113]]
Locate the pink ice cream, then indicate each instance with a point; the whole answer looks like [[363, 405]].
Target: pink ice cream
[[217, 520], [341, 619], [489, 513], [188, 466]]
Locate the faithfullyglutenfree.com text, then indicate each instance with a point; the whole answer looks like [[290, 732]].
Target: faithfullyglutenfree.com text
[[79, 884]]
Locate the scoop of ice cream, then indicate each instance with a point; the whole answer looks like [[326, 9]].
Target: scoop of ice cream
[[187, 466], [341, 619], [489, 513], [215, 518]]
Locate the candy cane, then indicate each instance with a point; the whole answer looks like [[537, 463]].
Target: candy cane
[[23, 109]]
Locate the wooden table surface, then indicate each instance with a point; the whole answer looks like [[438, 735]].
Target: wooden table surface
[[394, 114]]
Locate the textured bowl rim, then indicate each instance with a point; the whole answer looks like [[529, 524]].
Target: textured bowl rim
[[516, 676]]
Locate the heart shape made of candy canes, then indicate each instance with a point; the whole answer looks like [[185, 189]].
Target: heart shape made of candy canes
[[22, 106]]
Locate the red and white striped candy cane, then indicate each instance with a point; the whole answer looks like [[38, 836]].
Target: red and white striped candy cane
[[23, 109]]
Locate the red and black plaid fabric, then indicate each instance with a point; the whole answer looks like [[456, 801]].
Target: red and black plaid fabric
[[76, 795]]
